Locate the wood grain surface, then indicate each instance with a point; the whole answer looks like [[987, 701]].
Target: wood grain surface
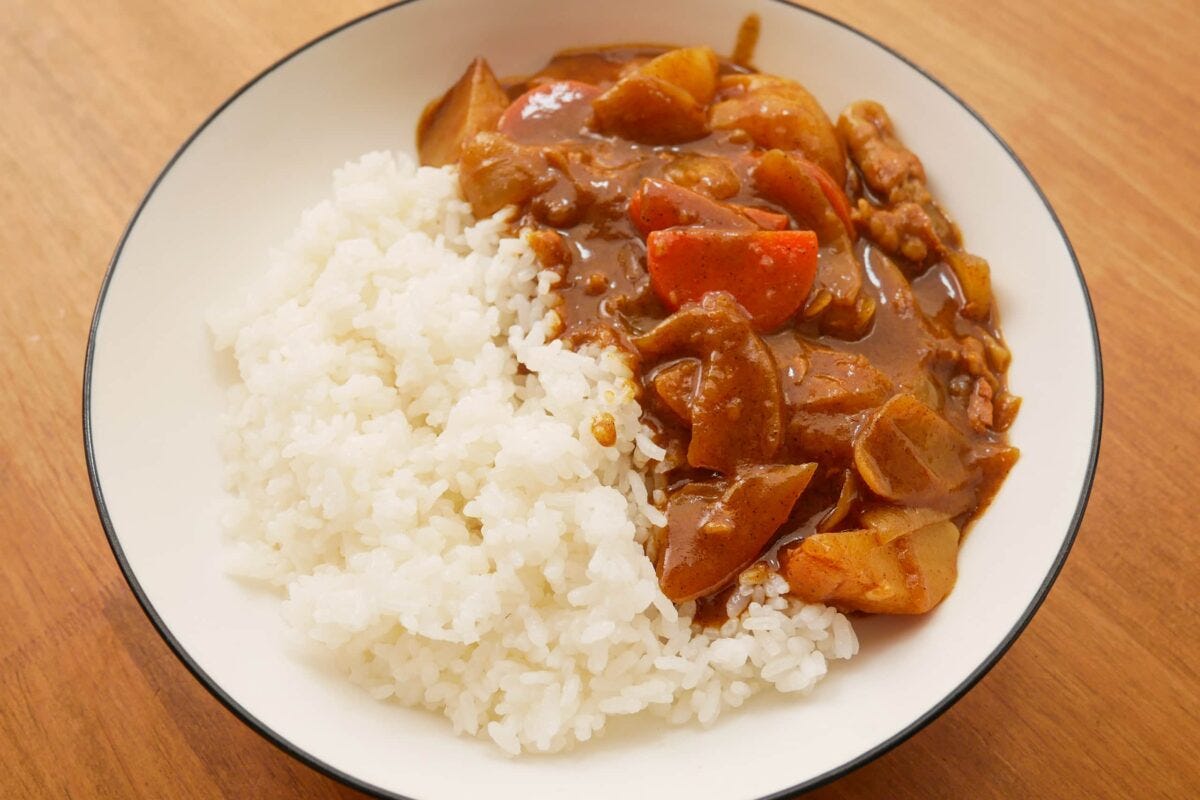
[[1099, 698]]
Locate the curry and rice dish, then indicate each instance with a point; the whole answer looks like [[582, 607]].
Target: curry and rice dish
[[649, 376], [815, 350]]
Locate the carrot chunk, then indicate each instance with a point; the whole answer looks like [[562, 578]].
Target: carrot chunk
[[767, 220], [769, 273], [659, 204]]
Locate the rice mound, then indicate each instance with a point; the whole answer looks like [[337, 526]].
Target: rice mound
[[411, 458]]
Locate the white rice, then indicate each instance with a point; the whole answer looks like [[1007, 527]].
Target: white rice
[[446, 525]]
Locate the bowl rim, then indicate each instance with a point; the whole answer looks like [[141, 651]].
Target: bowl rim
[[351, 781]]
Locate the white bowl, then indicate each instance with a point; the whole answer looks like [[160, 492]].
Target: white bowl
[[153, 392]]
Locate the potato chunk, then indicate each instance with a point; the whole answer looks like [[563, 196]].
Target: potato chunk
[[663, 101], [693, 69], [472, 105], [903, 562], [649, 110], [779, 113]]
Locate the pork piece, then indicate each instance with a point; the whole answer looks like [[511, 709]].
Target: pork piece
[[979, 407], [1006, 407], [909, 454], [717, 528], [904, 561], [779, 113], [885, 163], [664, 101], [737, 408], [495, 172], [916, 225], [472, 105], [905, 230]]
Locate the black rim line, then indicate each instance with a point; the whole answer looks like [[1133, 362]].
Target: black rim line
[[820, 780]]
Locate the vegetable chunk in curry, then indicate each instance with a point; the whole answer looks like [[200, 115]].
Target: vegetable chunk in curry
[[817, 353]]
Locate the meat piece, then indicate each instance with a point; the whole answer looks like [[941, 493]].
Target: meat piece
[[884, 161], [472, 105], [779, 113], [916, 226], [904, 230], [1006, 407], [968, 356], [849, 321], [838, 283], [909, 454], [903, 562], [737, 411], [829, 403], [496, 172], [716, 528], [979, 407]]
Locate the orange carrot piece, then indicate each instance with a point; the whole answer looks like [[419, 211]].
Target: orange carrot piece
[[767, 220], [659, 204], [833, 192], [769, 273]]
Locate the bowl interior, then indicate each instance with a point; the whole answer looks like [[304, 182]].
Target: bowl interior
[[238, 188]]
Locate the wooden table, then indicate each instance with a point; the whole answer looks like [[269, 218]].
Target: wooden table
[[1099, 698]]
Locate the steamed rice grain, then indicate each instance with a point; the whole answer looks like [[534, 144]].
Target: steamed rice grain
[[411, 459]]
